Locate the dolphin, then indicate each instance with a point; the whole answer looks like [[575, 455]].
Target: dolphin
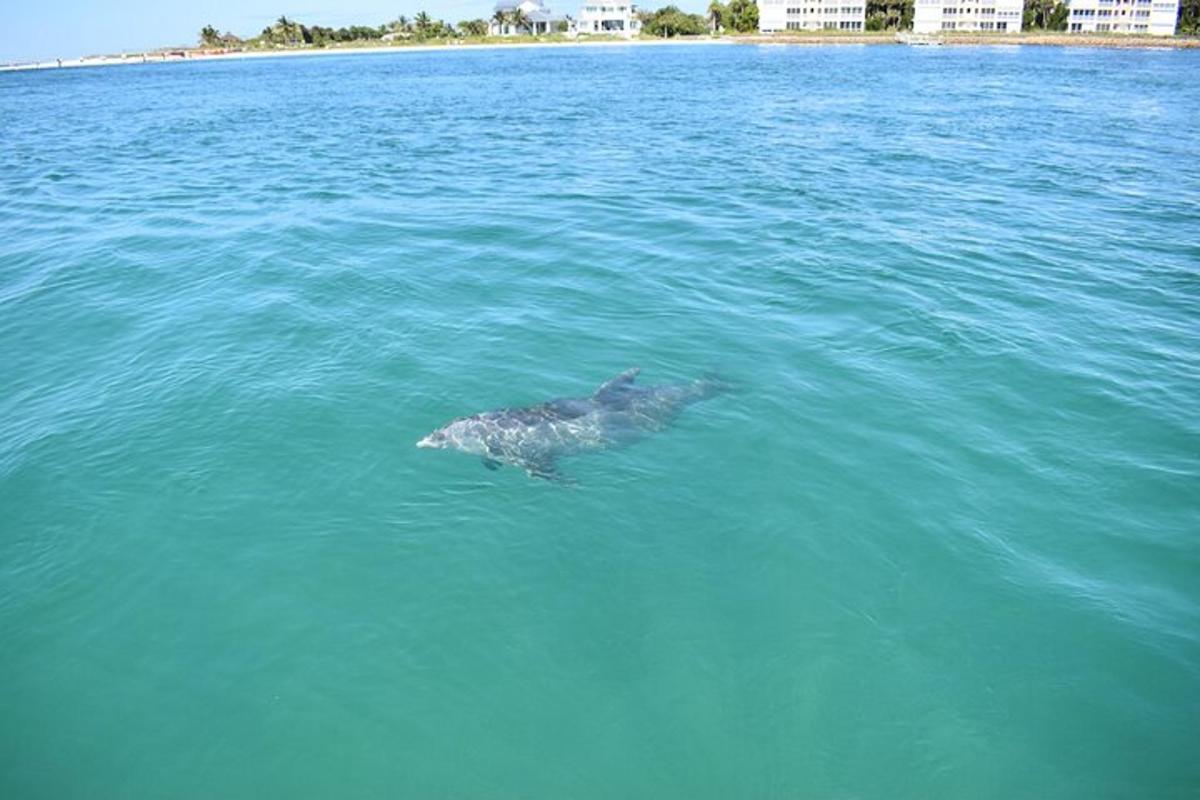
[[535, 437]]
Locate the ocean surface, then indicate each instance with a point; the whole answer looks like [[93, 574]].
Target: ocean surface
[[941, 540]]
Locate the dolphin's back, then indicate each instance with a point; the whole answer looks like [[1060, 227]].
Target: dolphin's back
[[552, 411]]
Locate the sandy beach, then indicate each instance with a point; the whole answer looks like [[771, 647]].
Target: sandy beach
[[806, 39]]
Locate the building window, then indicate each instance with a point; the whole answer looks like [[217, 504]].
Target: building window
[[1001, 26], [947, 26], [1076, 27]]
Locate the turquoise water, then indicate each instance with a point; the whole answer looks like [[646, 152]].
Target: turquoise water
[[940, 540]]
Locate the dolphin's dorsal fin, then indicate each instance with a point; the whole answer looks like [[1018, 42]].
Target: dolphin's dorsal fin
[[612, 388]]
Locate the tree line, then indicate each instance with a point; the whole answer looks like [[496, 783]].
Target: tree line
[[290, 33]]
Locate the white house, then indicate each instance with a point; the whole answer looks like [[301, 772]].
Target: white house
[[612, 20], [539, 19], [1123, 16], [811, 15], [931, 16]]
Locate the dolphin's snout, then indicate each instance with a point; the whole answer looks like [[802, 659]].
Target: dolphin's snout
[[435, 439]]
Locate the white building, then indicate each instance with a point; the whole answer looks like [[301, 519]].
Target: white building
[[931, 16], [615, 20], [811, 15], [538, 19], [1123, 16]]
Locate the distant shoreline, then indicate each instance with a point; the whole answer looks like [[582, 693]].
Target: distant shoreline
[[168, 55]]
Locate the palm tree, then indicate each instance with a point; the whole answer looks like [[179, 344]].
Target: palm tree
[[473, 27], [519, 20], [716, 12], [501, 19], [1039, 13], [893, 17], [284, 27], [422, 23]]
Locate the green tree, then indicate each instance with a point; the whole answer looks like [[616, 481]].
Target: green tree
[[889, 15], [209, 37], [1045, 15], [321, 37], [520, 21], [1057, 21], [499, 19], [1188, 21], [284, 31], [422, 25], [743, 15], [289, 30], [1029, 16], [717, 14], [473, 27], [364, 33], [1032, 16], [670, 21]]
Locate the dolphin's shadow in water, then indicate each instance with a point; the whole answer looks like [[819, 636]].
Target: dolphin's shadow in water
[[535, 437]]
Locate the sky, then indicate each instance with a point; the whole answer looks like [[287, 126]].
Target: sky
[[34, 30]]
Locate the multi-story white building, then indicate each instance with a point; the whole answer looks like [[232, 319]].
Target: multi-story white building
[[619, 19], [811, 15], [1155, 17], [931, 16]]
